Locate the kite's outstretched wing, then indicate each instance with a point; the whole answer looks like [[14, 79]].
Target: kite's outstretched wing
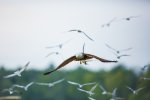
[[100, 59], [62, 64]]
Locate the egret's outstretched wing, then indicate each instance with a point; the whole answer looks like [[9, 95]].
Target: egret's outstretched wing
[[118, 98], [123, 55], [89, 83], [11, 75], [127, 49], [79, 31], [62, 64], [93, 88], [82, 90], [52, 53], [56, 82], [114, 93], [103, 89], [87, 36], [100, 59], [31, 83], [112, 20], [144, 67], [54, 46], [130, 88], [5, 90], [128, 18], [41, 83], [146, 78], [72, 30], [139, 89], [91, 98], [19, 86], [111, 48], [74, 83], [24, 67]]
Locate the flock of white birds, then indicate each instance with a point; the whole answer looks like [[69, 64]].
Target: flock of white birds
[[80, 86], [117, 53]]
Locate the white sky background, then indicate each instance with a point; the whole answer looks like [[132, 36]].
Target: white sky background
[[27, 27]]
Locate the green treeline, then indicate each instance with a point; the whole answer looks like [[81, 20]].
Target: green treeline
[[119, 77]]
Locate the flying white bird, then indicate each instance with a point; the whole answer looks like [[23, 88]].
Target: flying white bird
[[80, 85], [60, 45], [79, 31], [91, 92], [109, 23], [120, 56], [50, 84], [118, 51], [51, 53], [144, 67], [24, 87], [145, 78], [114, 95], [130, 17], [104, 91], [18, 72], [10, 90], [91, 98], [135, 91]]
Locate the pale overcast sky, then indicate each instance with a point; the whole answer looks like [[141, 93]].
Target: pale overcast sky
[[28, 26]]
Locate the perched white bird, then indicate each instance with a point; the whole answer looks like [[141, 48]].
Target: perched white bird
[[50, 84], [91, 98], [104, 91], [10, 90], [91, 92], [79, 31], [80, 85], [24, 87], [18, 72], [114, 95], [135, 91], [118, 51]]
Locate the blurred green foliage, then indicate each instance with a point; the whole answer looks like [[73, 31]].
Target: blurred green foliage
[[119, 77]]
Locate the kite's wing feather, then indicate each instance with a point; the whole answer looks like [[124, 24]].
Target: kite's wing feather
[[101, 59], [62, 64]]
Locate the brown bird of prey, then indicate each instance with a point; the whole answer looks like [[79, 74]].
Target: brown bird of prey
[[82, 57]]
